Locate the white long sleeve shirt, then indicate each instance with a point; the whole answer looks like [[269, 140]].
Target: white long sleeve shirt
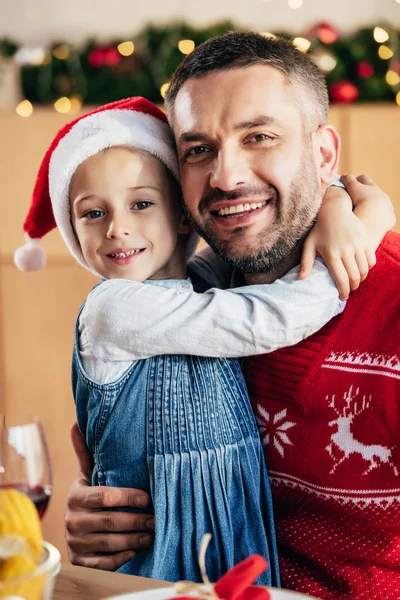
[[123, 321]]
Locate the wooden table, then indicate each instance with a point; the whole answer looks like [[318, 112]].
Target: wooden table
[[75, 583]]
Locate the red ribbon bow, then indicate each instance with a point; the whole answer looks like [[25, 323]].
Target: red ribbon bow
[[236, 584]]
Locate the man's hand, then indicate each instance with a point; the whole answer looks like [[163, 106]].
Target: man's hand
[[98, 538]]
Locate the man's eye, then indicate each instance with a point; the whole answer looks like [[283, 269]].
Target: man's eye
[[260, 137], [94, 214], [195, 152], [142, 205]]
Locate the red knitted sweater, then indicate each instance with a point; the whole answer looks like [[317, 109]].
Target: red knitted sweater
[[328, 410]]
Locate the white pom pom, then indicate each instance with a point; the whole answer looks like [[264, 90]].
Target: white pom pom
[[30, 257]]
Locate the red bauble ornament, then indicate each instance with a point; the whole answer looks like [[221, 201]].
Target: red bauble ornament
[[343, 91], [326, 33], [104, 55], [96, 57], [112, 57], [395, 66], [365, 70]]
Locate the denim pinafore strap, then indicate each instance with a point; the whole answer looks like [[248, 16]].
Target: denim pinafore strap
[[181, 428]]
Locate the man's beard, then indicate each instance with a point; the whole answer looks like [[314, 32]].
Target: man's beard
[[280, 240]]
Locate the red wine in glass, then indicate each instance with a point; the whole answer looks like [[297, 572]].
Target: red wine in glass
[[39, 494], [25, 462]]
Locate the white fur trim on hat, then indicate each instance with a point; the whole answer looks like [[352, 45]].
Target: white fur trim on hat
[[89, 136]]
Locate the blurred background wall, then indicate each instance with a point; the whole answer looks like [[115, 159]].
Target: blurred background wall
[[46, 20], [38, 310]]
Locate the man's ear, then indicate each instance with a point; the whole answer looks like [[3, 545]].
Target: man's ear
[[184, 226], [327, 146]]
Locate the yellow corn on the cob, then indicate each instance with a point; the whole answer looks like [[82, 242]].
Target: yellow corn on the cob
[[18, 515], [16, 567]]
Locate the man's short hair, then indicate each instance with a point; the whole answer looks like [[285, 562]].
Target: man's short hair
[[236, 50]]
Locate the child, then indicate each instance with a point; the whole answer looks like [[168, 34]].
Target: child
[[178, 426]]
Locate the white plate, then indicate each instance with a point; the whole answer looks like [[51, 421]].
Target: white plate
[[166, 593]]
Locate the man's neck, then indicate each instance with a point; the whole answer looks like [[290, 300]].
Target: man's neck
[[291, 261]]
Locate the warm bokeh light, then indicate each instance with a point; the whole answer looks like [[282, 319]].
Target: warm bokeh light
[[295, 4], [398, 97], [32, 56], [385, 53], [186, 46], [63, 105], [380, 35], [392, 78], [61, 52], [302, 44], [126, 48], [24, 109], [326, 62], [76, 104], [267, 34], [164, 89]]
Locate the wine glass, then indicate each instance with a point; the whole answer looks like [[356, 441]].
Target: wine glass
[[25, 462]]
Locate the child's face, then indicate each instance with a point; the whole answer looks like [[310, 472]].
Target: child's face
[[126, 218]]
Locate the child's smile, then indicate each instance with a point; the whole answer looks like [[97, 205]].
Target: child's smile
[[124, 256]]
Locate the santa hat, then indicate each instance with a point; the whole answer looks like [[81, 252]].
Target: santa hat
[[135, 122]]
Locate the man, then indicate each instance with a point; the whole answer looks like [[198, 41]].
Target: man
[[249, 118]]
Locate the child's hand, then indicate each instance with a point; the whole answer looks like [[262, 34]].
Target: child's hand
[[347, 241], [341, 239]]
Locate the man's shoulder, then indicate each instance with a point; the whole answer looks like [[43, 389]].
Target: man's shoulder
[[381, 285], [389, 249]]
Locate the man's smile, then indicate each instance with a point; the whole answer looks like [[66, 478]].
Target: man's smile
[[242, 212], [242, 207]]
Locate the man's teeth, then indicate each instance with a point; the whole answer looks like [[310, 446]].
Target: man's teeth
[[124, 254], [240, 208]]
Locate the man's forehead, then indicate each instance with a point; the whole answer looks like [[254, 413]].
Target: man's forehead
[[235, 95]]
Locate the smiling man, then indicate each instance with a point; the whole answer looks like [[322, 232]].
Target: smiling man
[[248, 163], [256, 154]]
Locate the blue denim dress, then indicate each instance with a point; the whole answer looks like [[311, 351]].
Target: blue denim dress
[[181, 428]]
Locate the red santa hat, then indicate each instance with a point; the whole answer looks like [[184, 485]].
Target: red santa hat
[[135, 122]]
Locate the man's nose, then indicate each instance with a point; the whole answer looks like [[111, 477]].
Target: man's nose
[[229, 171], [117, 227]]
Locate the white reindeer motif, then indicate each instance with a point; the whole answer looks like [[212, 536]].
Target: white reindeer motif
[[344, 439]]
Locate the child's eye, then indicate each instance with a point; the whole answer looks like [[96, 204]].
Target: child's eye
[[142, 205], [94, 214]]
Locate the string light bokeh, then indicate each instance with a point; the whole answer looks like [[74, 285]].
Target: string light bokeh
[[364, 66]]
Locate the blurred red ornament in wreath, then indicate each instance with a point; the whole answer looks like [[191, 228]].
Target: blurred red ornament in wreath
[[326, 33], [343, 91], [395, 66], [365, 70], [104, 55]]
